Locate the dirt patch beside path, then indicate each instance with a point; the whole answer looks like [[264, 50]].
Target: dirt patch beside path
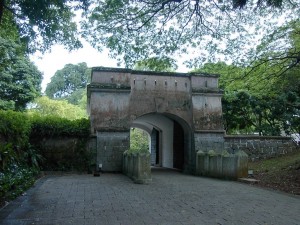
[[282, 173]]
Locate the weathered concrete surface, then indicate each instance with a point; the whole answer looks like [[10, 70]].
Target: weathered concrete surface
[[116, 97], [171, 198], [111, 146], [222, 165], [119, 99], [137, 167]]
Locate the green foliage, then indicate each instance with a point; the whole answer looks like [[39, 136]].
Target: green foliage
[[258, 103], [139, 141], [67, 82], [32, 157], [43, 23], [52, 126], [159, 64], [200, 31], [15, 180], [267, 115], [18, 167], [76, 97], [20, 79], [57, 108], [14, 128], [279, 51]]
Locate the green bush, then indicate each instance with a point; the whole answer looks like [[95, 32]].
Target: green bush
[[139, 141], [15, 180], [50, 126], [14, 127]]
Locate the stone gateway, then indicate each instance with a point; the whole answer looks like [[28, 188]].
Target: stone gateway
[[181, 112]]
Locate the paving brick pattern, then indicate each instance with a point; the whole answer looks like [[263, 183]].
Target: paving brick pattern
[[171, 199]]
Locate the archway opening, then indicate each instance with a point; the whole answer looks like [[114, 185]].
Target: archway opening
[[169, 140]]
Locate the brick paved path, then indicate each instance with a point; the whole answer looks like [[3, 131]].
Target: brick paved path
[[172, 198]]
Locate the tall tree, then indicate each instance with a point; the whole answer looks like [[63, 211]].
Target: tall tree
[[42, 23], [20, 79], [69, 83]]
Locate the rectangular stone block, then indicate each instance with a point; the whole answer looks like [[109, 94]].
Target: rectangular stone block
[[110, 148]]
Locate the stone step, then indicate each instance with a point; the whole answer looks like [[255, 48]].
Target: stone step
[[248, 180]]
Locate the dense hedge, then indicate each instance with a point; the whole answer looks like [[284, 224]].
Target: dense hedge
[[14, 127], [50, 126]]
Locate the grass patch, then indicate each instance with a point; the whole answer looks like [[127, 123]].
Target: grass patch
[[284, 162]]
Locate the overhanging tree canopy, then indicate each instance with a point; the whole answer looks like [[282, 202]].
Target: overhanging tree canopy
[[200, 30], [42, 23]]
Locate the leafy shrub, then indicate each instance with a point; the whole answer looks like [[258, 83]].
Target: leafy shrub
[[15, 180], [51, 126], [45, 106], [139, 141], [14, 127]]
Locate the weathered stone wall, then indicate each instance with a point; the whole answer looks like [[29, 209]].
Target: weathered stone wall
[[259, 147], [119, 97], [116, 97], [66, 153], [206, 101], [160, 93], [110, 149], [206, 141]]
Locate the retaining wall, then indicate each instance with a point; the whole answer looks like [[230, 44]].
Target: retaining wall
[[222, 165], [67, 153], [259, 147]]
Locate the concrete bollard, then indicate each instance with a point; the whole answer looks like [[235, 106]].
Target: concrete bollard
[[143, 169], [137, 167], [229, 169], [200, 163], [242, 164]]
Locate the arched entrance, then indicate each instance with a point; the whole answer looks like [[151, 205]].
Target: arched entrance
[[182, 113], [169, 140]]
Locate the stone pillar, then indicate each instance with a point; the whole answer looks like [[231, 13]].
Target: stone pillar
[[110, 149]]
